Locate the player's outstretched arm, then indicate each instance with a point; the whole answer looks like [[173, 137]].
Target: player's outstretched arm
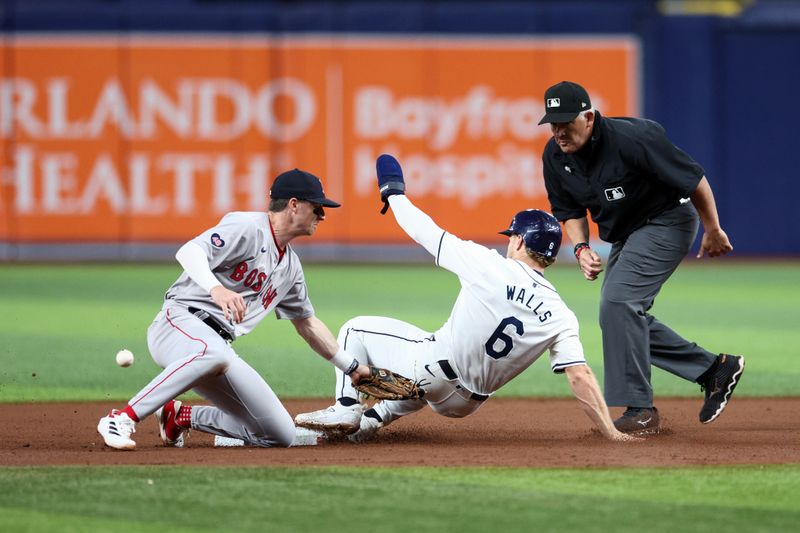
[[585, 388], [321, 340], [390, 179], [418, 225]]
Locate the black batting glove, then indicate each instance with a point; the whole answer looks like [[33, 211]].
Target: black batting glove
[[390, 179]]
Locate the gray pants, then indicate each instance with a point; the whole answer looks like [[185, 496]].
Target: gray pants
[[195, 357], [633, 339]]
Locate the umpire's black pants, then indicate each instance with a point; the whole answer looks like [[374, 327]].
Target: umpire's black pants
[[633, 339]]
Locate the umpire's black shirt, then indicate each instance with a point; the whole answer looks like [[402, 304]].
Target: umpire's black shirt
[[627, 173]]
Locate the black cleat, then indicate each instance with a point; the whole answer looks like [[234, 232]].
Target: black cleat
[[719, 386], [639, 421]]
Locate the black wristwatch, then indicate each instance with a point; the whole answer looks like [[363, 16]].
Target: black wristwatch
[[579, 248]]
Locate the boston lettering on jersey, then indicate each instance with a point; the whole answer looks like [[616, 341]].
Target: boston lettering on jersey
[[254, 280], [519, 295]]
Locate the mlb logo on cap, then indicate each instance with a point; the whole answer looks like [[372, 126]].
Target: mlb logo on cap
[[564, 101]]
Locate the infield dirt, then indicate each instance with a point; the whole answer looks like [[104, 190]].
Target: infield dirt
[[504, 432]]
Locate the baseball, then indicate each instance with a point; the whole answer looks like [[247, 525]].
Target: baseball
[[124, 358]]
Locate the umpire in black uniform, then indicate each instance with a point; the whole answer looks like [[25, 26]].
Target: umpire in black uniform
[[644, 194]]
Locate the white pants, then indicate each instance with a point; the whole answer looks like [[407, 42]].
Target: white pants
[[407, 350], [195, 357]]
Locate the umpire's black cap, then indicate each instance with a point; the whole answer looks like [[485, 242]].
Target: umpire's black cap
[[564, 101], [301, 185]]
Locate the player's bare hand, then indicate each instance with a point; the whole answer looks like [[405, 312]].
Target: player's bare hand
[[590, 263], [361, 371], [232, 303], [714, 243]]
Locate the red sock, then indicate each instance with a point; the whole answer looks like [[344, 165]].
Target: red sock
[[129, 411], [184, 417]]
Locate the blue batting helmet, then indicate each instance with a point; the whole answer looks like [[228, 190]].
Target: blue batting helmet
[[540, 231]]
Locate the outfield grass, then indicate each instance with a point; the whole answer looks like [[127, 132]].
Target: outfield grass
[[62, 325], [413, 499]]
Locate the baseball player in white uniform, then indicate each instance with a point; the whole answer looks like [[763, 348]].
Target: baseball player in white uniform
[[506, 315], [234, 274]]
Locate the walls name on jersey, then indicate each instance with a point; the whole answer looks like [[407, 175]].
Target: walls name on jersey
[[525, 297], [254, 280]]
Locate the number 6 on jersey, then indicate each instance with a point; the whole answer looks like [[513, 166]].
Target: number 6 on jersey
[[501, 336]]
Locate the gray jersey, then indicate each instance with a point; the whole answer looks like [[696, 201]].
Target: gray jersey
[[245, 258]]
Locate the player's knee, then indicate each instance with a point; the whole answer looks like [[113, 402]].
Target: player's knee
[[285, 439], [281, 438], [346, 337], [342, 337], [611, 310], [275, 433], [350, 324]]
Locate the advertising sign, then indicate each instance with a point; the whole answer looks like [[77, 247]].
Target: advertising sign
[[151, 138]]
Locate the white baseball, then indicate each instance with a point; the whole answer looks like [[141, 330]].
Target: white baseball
[[124, 358]]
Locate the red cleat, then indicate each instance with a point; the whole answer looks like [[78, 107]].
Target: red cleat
[[171, 433]]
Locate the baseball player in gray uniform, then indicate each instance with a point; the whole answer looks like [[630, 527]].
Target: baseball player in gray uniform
[[234, 274], [506, 315]]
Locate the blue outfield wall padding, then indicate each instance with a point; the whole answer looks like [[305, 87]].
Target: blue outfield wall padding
[[684, 85], [519, 17], [758, 142]]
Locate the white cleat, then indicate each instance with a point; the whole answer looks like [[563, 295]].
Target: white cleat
[[367, 431], [116, 430], [335, 419]]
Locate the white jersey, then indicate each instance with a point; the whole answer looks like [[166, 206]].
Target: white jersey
[[245, 258], [506, 314]]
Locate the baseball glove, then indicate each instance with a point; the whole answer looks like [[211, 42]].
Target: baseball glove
[[384, 384]]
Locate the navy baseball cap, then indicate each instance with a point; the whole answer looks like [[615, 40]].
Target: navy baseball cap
[[564, 101], [301, 185]]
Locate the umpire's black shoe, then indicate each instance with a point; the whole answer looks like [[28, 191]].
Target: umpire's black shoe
[[719, 386], [639, 421]]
